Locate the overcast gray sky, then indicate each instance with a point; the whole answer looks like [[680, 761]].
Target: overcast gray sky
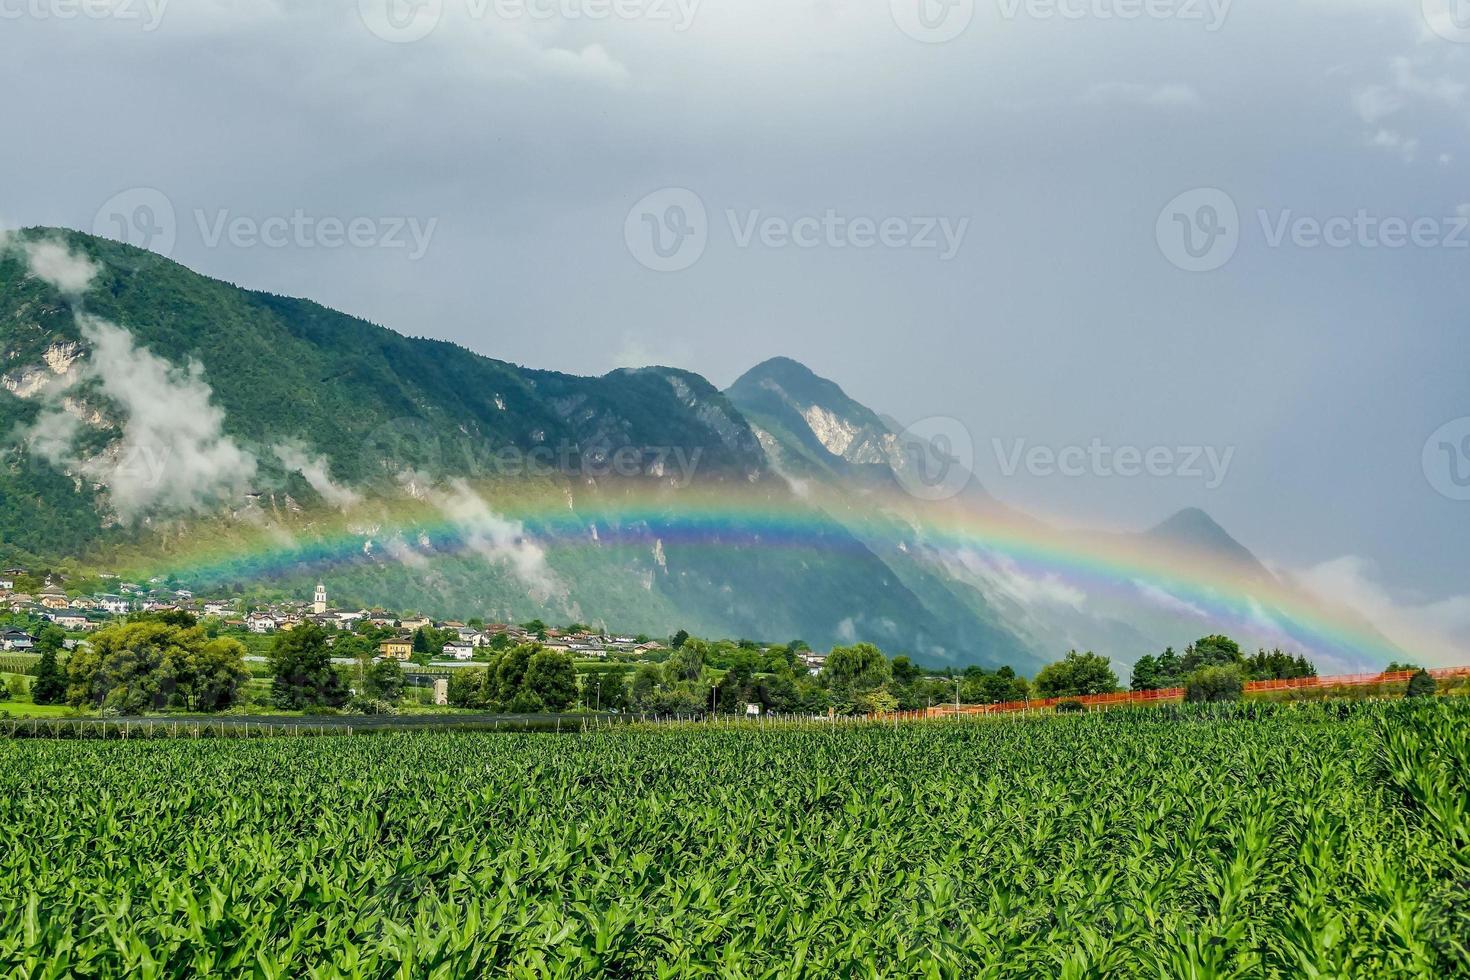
[[991, 183]]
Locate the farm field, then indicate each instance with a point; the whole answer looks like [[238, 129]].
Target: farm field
[[1240, 840]]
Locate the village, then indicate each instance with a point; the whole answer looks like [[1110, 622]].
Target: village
[[451, 641]]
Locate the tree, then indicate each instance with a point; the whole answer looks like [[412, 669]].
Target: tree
[[304, 675], [210, 677], [1212, 651], [1145, 676], [383, 681], [856, 669], [553, 679], [1276, 665], [1218, 683], [49, 686], [904, 671], [467, 688], [686, 663], [510, 671], [1421, 685], [678, 639], [1077, 674], [646, 681], [879, 702]]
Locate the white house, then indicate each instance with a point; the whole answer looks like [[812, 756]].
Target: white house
[[260, 623], [459, 651], [71, 621], [116, 605], [7, 583]]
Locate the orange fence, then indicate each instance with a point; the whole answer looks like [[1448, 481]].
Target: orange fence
[[1177, 693]]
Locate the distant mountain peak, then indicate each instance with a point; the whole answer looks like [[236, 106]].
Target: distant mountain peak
[[1195, 530]]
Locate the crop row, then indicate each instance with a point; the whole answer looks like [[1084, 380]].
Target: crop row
[[1276, 842]]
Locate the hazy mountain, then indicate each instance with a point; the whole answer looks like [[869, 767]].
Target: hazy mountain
[[159, 421]]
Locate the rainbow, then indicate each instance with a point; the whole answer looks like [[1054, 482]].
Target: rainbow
[[1222, 595]]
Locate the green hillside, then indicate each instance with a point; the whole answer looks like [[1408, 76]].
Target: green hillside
[[374, 405]]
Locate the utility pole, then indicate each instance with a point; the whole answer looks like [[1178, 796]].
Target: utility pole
[[599, 696], [956, 695]]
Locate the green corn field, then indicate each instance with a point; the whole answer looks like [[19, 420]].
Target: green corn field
[[1316, 840]]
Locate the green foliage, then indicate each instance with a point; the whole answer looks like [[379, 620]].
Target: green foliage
[[1207, 841], [147, 664], [1421, 685], [1079, 673], [551, 677], [49, 686], [383, 681], [1215, 683], [1211, 651], [1278, 666], [303, 675], [856, 669]]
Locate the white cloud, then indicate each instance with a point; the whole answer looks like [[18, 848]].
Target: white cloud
[[1433, 631], [173, 455], [1025, 589], [1167, 95], [1168, 601], [1396, 142], [317, 471], [493, 537], [50, 260], [1413, 86], [591, 62]]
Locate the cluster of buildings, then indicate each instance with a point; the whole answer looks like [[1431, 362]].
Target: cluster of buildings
[[87, 613]]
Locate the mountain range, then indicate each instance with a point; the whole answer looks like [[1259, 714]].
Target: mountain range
[[158, 422]]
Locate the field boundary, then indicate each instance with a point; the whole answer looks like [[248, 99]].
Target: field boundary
[[1125, 698]]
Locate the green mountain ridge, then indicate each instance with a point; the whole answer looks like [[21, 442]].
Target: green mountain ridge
[[373, 405], [396, 467]]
